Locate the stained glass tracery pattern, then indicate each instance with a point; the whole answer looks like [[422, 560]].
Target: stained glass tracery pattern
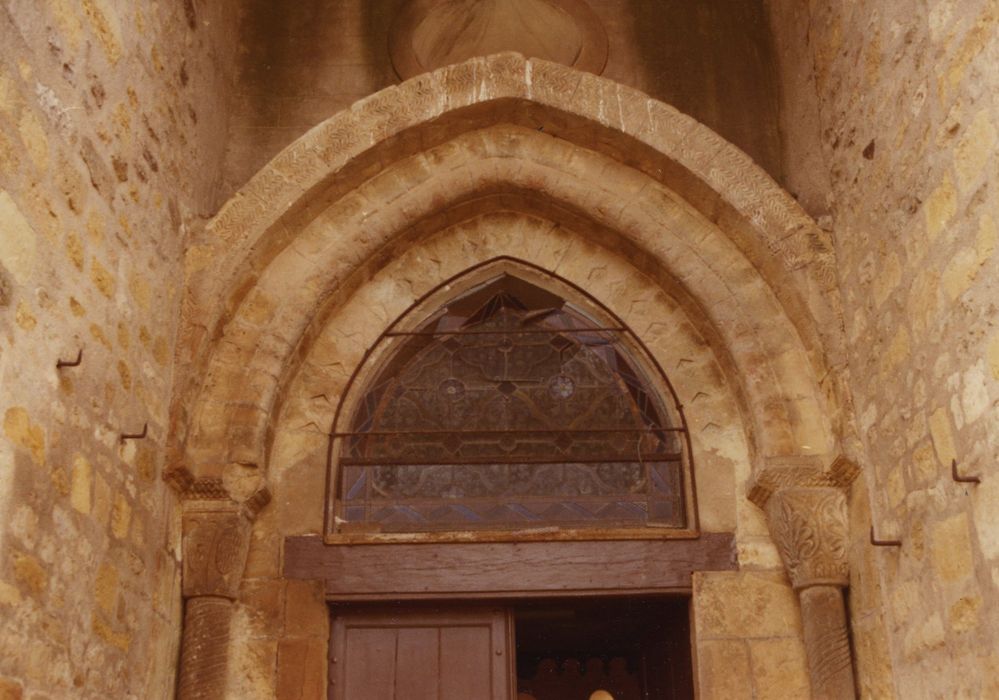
[[509, 409]]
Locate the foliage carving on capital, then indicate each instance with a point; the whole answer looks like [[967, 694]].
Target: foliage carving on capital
[[808, 518], [810, 528]]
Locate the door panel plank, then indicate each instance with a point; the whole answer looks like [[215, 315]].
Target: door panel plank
[[420, 654], [370, 663], [418, 663], [466, 663]]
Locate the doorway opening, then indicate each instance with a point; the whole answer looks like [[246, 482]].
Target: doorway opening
[[628, 648], [553, 649]]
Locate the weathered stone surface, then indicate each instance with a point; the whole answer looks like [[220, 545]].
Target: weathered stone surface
[[305, 610], [951, 549], [748, 636], [18, 244], [779, 669], [205, 648], [754, 604], [918, 273], [724, 667], [106, 155], [827, 642], [263, 602]]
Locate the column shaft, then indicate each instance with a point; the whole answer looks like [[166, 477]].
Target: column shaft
[[823, 616], [204, 648]]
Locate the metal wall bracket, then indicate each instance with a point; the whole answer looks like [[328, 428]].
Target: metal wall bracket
[[136, 436], [884, 543], [962, 479], [71, 363]]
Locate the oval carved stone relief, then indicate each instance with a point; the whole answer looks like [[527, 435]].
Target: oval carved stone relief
[[429, 34]]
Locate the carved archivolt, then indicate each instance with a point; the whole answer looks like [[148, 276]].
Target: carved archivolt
[[586, 120]]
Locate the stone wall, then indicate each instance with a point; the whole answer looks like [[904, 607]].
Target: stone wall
[[304, 61], [111, 139], [897, 102]]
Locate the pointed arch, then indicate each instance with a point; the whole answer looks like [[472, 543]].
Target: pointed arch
[[491, 135]]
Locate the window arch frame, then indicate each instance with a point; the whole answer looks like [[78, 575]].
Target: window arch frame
[[382, 351]]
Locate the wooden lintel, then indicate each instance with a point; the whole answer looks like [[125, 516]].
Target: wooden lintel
[[506, 569]]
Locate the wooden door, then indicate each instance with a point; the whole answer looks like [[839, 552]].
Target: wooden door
[[421, 655]]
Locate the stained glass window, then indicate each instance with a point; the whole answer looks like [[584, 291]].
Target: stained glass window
[[509, 409]]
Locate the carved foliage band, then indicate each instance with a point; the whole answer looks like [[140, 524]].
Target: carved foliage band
[[807, 512]]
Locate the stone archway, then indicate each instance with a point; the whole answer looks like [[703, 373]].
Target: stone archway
[[315, 181], [501, 134]]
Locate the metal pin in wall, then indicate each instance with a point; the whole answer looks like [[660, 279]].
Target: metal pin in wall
[[136, 436], [884, 543], [71, 363], [962, 479]]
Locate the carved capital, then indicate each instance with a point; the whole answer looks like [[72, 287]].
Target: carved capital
[[809, 526], [216, 539], [807, 514]]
